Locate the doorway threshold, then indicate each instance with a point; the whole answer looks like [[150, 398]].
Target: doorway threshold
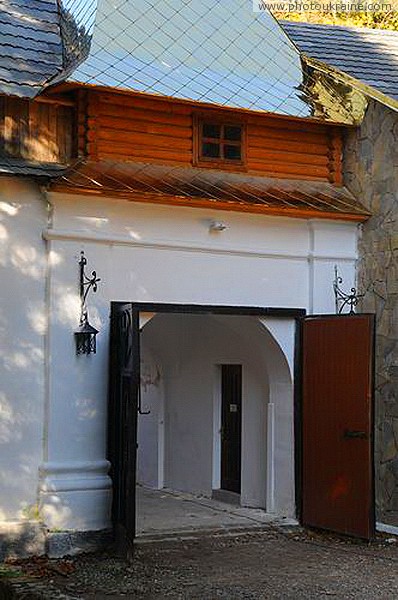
[[226, 496], [167, 514]]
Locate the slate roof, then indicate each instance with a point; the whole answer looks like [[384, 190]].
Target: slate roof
[[368, 55], [207, 51], [30, 46], [178, 48], [149, 46]]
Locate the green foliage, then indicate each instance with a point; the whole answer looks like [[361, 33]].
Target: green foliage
[[31, 512], [9, 572], [371, 20]]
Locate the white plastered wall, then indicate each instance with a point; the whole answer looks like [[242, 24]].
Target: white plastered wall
[[23, 214], [163, 254]]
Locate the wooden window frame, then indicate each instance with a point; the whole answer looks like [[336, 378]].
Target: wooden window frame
[[217, 162]]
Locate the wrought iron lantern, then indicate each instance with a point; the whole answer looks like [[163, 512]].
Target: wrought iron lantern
[[85, 335]]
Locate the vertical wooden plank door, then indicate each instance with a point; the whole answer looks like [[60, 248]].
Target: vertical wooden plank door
[[337, 424], [231, 427]]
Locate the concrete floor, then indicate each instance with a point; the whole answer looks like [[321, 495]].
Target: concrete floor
[[164, 512]]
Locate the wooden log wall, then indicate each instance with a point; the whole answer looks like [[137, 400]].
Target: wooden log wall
[[293, 150], [131, 128], [118, 127], [37, 130], [139, 129]]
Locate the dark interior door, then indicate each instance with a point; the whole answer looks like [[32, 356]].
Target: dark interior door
[[122, 421], [337, 424], [231, 426]]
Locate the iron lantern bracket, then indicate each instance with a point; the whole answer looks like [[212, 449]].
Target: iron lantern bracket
[[344, 299], [85, 334]]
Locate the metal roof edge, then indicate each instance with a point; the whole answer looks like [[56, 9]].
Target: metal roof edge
[[10, 167], [61, 86], [343, 77]]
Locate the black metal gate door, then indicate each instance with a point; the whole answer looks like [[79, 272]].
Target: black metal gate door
[[124, 380]]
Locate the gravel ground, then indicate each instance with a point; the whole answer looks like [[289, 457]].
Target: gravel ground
[[274, 563]]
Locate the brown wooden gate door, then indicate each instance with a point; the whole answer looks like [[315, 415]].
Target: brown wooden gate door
[[337, 424]]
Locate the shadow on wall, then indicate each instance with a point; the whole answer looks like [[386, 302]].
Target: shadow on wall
[[76, 417], [22, 335]]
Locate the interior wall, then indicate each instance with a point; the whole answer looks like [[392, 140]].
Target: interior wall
[[150, 425], [190, 350]]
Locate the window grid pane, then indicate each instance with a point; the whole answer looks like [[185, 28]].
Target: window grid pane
[[210, 150], [211, 130], [221, 142]]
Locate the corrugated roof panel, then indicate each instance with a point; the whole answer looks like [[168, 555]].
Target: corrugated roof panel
[[30, 46], [369, 55], [193, 186]]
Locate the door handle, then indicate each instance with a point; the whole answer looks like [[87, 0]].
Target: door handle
[[350, 434], [223, 435]]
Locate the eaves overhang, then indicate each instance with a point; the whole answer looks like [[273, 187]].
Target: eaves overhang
[[207, 188], [26, 168]]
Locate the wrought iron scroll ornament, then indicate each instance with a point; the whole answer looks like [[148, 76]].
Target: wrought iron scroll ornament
[[344, 299], [86, 283], [85, 335]]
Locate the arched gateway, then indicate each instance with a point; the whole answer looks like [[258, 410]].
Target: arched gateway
[[216, 395], [228, 400], [213, 391]]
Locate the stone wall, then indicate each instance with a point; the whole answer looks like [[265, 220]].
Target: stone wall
[[371, 173]]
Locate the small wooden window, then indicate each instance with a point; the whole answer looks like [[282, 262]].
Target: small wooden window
[[220, 143]]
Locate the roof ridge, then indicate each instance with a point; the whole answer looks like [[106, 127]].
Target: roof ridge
[[371, 30]]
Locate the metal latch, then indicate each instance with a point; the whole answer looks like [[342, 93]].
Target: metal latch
[[353, 434]]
